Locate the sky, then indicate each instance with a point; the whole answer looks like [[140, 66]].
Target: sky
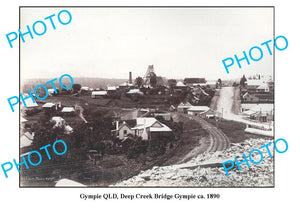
[[179, 42]]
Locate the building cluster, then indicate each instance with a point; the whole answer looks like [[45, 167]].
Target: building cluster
[[146, 124], [117, 91], [147, 128], [55, 111], [257, 98], [258, 90], [189, 109], [172, 88]]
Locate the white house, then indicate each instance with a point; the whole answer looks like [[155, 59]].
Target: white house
[[180, 84], [23, 120], [48, 105], [263, 88], [85, 88], [30, 103], [182, 107], [257, 85], [260, 112], [111, 88], [59, 121], [197, 110], [26, 139], [68, 111], [144, 127], [51, 92], [125, 130], [98, 94], [135, 92]]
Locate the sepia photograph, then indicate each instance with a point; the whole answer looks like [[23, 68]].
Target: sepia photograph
[[147, 96]]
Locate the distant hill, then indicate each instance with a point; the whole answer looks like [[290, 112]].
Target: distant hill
[[89, 82]]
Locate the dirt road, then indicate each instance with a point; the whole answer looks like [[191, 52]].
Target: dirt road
[[225, 106]]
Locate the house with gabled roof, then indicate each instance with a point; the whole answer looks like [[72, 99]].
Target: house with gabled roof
[[69, 111], [197, 110], [98, 94], [26, 139], [183, 107], [144, 127]]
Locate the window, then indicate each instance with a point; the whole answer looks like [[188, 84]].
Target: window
[[125, 132]]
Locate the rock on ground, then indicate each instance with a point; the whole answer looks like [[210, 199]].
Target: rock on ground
[[206, 170]]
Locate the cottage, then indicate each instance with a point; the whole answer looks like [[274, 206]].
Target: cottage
[[197, 110], [84, 88], [59, 121], [135, 92], [145, 127], [250, 97], [180, 84], [148, 127], [30, 103], [51, 92], [68, 111], [23, 120], [50, 108], [260, 112], [26, 139], [257, 85], [68, 129], [182, 107], [126, 85], [263, 88], [125, 129], [99, 94], [180, 87]]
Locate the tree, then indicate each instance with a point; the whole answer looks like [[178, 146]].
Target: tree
[[45, 134], [76, 88], [153, 81], [139, 81], [220, 82], [159, 81], [172, 83], [243, 80]]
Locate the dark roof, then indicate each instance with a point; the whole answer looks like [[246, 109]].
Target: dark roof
[[130, 123], [194, 80], [269, 95]]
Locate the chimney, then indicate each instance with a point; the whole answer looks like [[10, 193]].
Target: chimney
[[130, 78], [117, 125]]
